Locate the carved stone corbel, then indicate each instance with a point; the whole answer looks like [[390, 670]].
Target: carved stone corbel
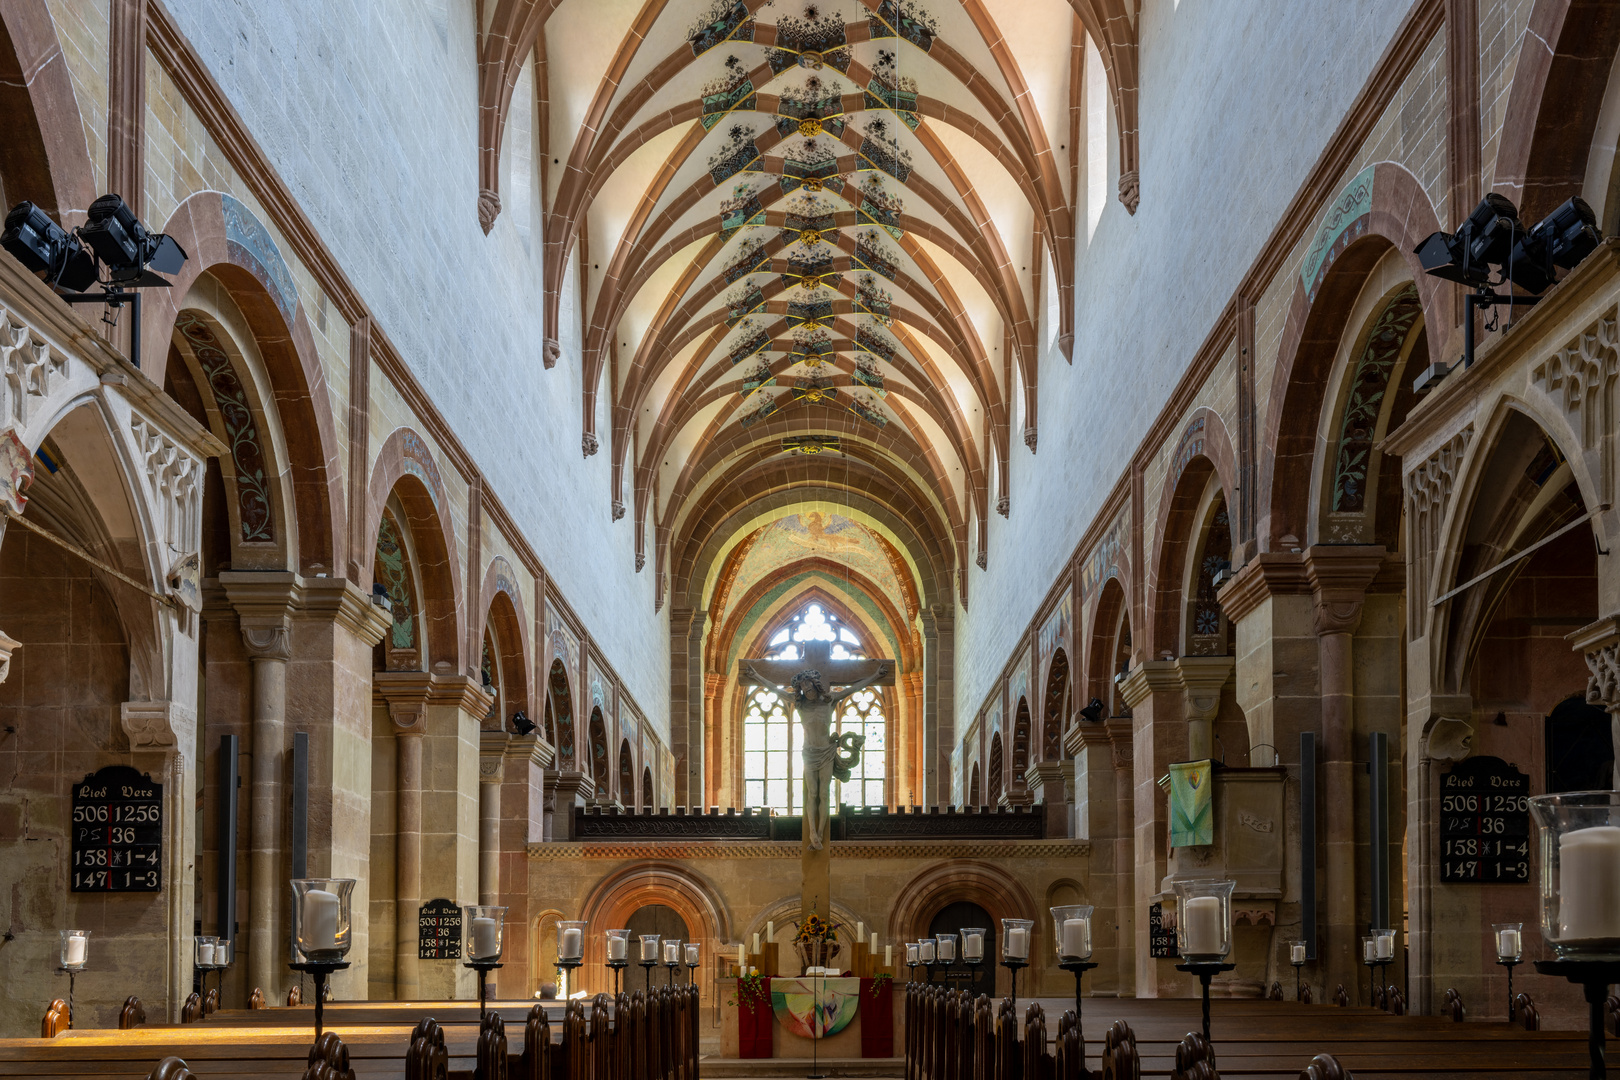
[[549, 352], [589, 444], [489, 208], [1449, 739], [149, 725], [7, 647]]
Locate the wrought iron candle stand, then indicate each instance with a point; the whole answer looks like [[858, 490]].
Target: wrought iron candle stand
[[672, 965], [647, 966], [1205, 970], [1079, 967], [691, 972], [1594, 977], [1510, 964], [484, 967], [617, 964], [320, 971]]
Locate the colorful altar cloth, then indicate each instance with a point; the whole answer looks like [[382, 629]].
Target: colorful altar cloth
[[814, 1008]]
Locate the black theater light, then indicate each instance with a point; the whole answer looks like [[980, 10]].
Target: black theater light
[[133, 256], [1486, 238], [44, 247], [1559, 241], [1093, 713]]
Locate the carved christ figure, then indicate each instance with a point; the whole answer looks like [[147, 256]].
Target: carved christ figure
[[809, 683]]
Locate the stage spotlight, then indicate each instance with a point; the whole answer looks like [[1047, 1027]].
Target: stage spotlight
[[1466, 256], [44, 247], [1560, 240], [130, 253], [522, 724], [1093, 713]]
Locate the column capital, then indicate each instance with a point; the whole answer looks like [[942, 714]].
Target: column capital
[[531, 747], [1271, 573], [8, 646], [492, 746], [1122, 737], [406, 695], [1339, 576], [155, 725], [1084, 735], [1599, 644], [1147, 678], [1202, 677]]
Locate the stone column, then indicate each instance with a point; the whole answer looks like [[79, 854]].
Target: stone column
[[939, 701], [406, 694], [1599, 643], [1121, 742], [572, 789], [491, 749], [269, 647], [1202, 678], [548, 803], [1339, 578], [687, 703], [1153, 692]]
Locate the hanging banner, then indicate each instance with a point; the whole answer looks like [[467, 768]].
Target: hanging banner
[[1192, 810]]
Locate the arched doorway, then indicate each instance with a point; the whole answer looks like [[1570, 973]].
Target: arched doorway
[[658, 919], [950, 919]]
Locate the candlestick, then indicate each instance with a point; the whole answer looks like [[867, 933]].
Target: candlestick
[[756, 944], [888, 956], [860, 933], [770, 931], [742, 960], [1015, 948]]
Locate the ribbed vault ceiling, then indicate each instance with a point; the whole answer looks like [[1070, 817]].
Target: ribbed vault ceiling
[[818, 247]]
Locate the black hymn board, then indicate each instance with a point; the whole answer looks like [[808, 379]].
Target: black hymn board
[[438, 931], [1161, 938], [1484, 823], [117, 832]]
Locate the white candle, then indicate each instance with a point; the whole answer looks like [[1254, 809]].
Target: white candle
[[1386, 947], [871, 943], [860, 933], [1589, 884], [742, 958], [1296, 954], [672, 952], [222, 953], [1018, 943], [319, 921], [691, 956], [925, 951], [1077, 938], [1204, 929], [205, 954], [1507, 943], [484, 945], [649, 949], [1368, 952], [756, 944], [888, 956], [947, 949], [770, 931], [618, 948], [76, 947], [973, 947], [911, 952]]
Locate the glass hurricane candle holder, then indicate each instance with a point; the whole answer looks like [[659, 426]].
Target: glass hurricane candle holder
[[1369, 950], [1015, 939], [913, 954], [692, 954], [1071, 931], [75, 949], [202, 951], [618, 947], [1578, 833], [925, 950], [1296, 951], [485, 928], [672, 951], [1204, 920], [571, 941], [1509, 940], [222, 952], [973, 938], [649, 948], [945, 948], [1383, 945], [321, 922]]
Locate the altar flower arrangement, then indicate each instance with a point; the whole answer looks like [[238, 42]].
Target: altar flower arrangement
[[750, 992], [816, 941], [815, 928]]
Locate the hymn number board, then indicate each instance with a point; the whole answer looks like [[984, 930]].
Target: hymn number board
[[117, 832], [1484, 823], [438, 931], [1161, 933]]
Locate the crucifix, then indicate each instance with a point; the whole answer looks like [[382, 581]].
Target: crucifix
[[808, 682]]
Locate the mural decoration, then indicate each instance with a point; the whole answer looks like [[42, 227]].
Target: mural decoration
[[1368, 386], [828, 536], [241, 432], [1343, 224], [420, 464], [1097, 564], [245, 235], [393, 574], [1054, 634]]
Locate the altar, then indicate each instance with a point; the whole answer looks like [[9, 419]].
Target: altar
[[797, 1017]]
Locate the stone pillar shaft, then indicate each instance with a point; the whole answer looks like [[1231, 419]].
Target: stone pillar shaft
[[269, 650], [407, 864]]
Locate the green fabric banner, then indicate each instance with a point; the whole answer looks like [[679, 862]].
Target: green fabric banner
[[1192, 810]]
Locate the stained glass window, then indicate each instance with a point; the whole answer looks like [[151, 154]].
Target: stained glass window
[[773, 762]]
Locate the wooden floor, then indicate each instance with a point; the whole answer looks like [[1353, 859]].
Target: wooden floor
[[1251, 1038]]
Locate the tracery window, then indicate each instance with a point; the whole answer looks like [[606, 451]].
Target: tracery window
[[773, 763]]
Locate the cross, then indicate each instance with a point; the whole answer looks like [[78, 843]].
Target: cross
[[808, 682]]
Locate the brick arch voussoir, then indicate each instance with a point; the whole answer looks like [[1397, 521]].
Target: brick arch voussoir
[[982, 883], [40, 122], [428, 518], [1565, 55], [1401, 218], [621, 894], [297, 378], [502, 605]]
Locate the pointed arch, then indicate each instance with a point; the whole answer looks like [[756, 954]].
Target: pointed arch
[[405, 468]]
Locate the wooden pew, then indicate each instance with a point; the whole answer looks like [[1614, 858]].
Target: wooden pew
[[131, 1014]]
